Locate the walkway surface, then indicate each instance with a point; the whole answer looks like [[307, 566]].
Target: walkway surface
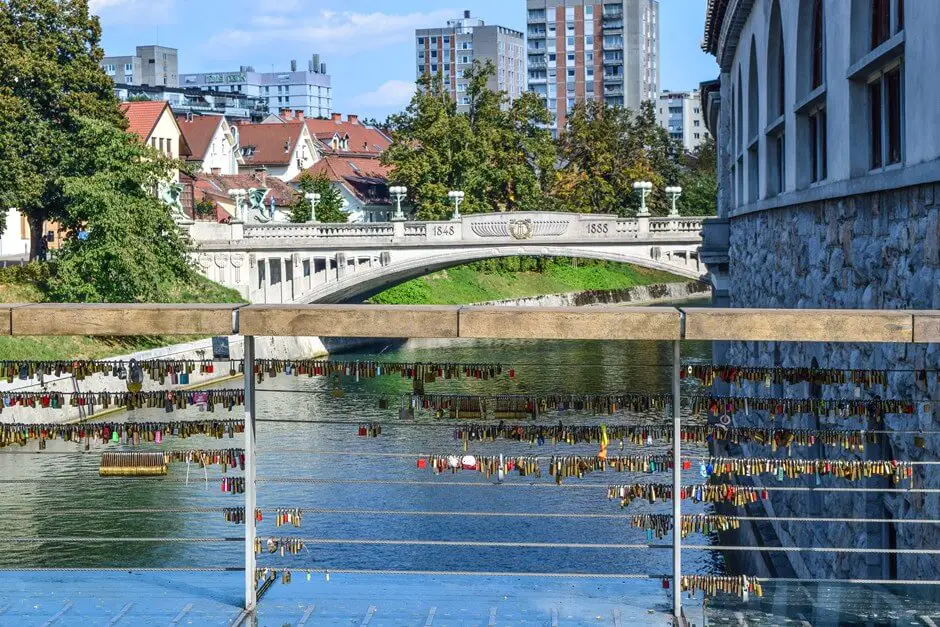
[[94, 598], [89, 599]]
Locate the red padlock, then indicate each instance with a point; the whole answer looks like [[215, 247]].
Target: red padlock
[[422, 463], [512, 373], [665, 584]]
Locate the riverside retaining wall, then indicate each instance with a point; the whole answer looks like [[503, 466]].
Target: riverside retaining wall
[[875, 251]]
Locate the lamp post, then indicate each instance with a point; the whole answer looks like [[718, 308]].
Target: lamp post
[[238, 195], [400, 193], [674, 192], [644, 187], [314, 198], [457, 197]]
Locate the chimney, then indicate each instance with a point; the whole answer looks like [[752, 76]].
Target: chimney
[[352, 119], [337, 117], [299, 115], [466, 15], [261, 175], [293, 65], [287, 114]]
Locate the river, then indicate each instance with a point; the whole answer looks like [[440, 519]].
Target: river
[[63, 495]]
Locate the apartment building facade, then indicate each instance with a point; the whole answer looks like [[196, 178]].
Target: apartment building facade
[[450, 51], [308, 90], [680, 113], [592, 50], [157, 66]]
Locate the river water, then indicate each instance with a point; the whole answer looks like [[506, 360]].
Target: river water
[[61, 494]]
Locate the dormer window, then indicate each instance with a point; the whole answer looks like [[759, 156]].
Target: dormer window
[[248, 151]]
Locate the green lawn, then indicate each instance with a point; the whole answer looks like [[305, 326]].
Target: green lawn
[[23, 285], [476, 283]]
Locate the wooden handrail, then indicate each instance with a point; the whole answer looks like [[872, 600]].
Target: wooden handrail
[[404, 321]]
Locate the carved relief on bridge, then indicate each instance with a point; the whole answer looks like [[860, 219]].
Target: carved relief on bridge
[[520, 228]]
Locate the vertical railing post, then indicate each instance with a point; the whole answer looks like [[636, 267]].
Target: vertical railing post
[[251, 593], [676, 483]]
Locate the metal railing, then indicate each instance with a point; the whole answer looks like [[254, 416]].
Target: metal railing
[[675, 325]]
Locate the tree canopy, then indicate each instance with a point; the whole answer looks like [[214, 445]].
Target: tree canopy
[[65, 156], [503, 157], [499, 153], [329, 206]]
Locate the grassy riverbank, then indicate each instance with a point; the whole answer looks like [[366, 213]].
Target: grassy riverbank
[[25, 285], [486, 281]]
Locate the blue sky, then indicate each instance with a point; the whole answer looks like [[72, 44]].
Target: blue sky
[[366, 44]]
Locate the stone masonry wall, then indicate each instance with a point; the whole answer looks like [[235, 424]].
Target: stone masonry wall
[[875, 251]]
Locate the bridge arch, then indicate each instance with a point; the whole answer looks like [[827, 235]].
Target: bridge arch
[[361, 285]]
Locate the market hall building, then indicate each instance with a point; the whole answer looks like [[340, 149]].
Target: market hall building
[[827, 119]]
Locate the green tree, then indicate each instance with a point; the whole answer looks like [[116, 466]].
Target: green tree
[[499, 154], [699, 182], [50, 83], [603, 150], [134, 251], [330, 205]]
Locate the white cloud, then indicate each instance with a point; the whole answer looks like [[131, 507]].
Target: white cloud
[[341, 34], [134, 11], [390, 94]]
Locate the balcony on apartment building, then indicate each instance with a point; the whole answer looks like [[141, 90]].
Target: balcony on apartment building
[[612, 12]]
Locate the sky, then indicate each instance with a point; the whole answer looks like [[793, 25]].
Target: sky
[[368, 45]]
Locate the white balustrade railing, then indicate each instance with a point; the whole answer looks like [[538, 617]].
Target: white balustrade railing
[[513, 226]]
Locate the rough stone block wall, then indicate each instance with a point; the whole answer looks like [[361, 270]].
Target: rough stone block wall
[[874, 251]]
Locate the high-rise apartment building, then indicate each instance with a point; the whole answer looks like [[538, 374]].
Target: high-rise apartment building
[[593, 50], [680, 113], [450, 51], [157, 66], [307, 90]]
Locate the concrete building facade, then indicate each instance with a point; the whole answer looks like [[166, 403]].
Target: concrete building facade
[[593, 50], [156, 66], [450, 51], [829, 197], [680, 113], [308, 90]]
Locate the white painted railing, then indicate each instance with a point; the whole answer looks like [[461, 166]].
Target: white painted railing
[[520, 226]]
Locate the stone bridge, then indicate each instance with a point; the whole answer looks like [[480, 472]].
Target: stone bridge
[[332, 263]]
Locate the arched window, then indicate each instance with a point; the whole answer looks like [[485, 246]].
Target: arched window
[[819, 45], [776, 98], [811, 127], [753, 116]]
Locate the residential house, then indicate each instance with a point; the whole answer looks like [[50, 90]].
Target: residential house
[[278, 201], [14, 235], [213, 143], [363, 184], [155, 124], [348, 136], [284, 149]]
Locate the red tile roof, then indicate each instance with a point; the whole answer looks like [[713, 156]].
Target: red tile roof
[[273, 144], [142, 117], [199, 132], [362, 139], [366, 177], [219, 185]]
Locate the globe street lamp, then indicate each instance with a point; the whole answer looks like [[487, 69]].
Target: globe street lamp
[[400, 193], [238, 195], [457, 197], [314, 198], [644, 187], [674, 192]]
